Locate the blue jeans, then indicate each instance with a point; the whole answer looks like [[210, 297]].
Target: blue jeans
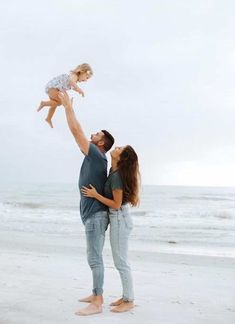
[[95, 228], [120, 228]]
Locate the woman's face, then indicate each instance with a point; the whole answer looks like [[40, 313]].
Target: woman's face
[[84, 76], [115, 154]]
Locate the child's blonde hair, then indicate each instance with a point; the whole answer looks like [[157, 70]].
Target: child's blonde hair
[[83, 68]]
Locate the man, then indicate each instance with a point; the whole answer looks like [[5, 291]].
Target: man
[[94, 214]]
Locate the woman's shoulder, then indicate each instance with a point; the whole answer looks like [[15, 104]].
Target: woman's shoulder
[[113, 173], [115, 177]]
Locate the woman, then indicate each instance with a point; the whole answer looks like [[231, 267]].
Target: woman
[[121, 189]]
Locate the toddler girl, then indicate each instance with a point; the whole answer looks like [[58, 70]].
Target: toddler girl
[[64, 82]]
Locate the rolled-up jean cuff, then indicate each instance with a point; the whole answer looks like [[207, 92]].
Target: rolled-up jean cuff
[[97, 291], [127, 300]]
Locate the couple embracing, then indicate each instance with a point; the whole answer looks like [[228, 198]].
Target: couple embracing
[[104, 201]]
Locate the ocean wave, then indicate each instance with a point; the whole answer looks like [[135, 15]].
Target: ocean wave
[[205, 198], [223, 215], [33, 205], [139, 212], [22, 205]]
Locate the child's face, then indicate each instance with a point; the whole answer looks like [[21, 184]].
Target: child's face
[[84, 76]]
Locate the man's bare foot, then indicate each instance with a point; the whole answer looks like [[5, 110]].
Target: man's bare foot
[[91, 298], [90, 310], [40, 106], [117, 302], [49, 122], [88, 299], [123, 307]]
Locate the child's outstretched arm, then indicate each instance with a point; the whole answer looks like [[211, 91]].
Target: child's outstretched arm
[[75, 87]]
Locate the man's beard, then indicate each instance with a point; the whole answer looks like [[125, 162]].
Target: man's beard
[[93, 141]]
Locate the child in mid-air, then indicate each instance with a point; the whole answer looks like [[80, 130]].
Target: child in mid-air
[[62, 82]]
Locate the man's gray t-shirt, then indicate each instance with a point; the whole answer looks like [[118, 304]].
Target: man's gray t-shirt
[[93, 171]]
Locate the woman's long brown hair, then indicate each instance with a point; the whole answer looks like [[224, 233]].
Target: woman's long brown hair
[[128, 168]]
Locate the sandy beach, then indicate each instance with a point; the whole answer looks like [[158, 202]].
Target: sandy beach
[[42, 277]]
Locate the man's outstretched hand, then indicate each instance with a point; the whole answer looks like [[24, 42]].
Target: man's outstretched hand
[[65, 100]]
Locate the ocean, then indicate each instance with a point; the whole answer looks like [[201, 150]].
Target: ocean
[[170, 219]]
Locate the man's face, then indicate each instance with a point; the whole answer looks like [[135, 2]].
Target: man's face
[[96, 138]]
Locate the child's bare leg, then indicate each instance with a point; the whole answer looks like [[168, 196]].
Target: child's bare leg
[[50, 115], [48, 103], [54, 99]]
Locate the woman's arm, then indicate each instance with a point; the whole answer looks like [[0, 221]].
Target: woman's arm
[[114, 203]]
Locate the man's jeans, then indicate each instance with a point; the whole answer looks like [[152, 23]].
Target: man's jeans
[[120, 228], [95, 228]]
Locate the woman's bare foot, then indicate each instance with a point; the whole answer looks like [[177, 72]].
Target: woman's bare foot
[[49, 122], [41, 106], [90, 310], [88, 299], [117, 302], [123, 307]]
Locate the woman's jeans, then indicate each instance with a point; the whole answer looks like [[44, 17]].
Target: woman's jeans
[[120, 228], [95, 228]]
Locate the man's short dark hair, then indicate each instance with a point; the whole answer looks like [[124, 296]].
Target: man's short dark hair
[[108, 140]]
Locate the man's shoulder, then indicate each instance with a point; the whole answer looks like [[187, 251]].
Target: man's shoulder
[[95, 152]]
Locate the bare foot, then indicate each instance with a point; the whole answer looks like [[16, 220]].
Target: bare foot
[[123, 307], [117, 302], [40, 106], [90, 310], [88, 299], [49, 122]]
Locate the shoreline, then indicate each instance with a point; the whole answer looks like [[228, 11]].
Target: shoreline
[[135, 246]]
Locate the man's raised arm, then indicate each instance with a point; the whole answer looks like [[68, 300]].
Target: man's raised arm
[[73, 123]]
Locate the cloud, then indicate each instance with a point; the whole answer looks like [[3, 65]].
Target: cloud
[[164, 83]]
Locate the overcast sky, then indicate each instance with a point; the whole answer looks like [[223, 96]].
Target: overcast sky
[[164, 82]]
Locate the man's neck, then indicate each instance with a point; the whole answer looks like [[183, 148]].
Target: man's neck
[[102, 150]]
